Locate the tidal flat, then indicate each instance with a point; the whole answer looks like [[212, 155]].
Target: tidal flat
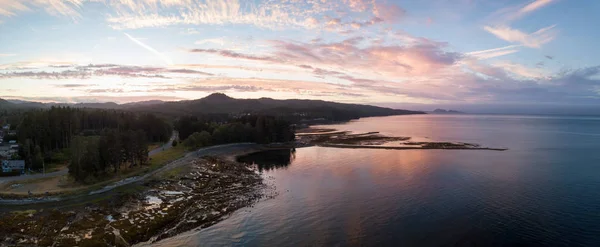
[[374, 140]]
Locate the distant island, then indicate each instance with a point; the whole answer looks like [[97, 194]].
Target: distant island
[[444, 111]]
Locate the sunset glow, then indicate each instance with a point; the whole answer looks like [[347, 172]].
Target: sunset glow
[[359, 51]]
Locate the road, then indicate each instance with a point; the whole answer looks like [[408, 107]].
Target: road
[[156, 151], [209, 151], [35, 176], [227, 149], [166, 146]]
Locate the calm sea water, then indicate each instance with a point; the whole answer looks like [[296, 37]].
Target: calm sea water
[[544, 191]]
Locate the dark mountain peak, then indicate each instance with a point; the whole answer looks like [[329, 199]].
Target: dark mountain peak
[[3, 101], [217, 97]]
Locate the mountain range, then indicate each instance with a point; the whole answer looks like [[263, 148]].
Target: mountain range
[[219, 103]]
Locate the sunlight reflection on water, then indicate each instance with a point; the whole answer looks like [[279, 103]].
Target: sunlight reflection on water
[[543, 191]]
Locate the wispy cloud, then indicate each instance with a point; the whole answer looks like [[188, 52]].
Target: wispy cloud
[[216, 41], [167, 60], [232, 54], [138, 14], [515, 12], [502, 29], [11, 7], [67, 74], [74, 85], [7, 54], [531, 7], [496, 52], [133, 14], [68, 8], [521, 70], [533, 40], [418, 58], [94, 99], [98, 70]]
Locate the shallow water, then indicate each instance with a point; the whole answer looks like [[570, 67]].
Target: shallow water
[[545, 190]]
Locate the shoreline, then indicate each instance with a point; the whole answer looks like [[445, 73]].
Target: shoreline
[[20, 199], [200, 191], [194, 192]]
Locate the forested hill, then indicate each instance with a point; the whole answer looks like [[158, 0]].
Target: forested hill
[[221, 104], [5, 104], [293, 109]]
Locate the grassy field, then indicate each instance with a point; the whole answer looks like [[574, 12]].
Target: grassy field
[[155, 145], [167, 156], [65, 185]]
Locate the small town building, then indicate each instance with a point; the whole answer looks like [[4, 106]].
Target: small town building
[[13, 166]]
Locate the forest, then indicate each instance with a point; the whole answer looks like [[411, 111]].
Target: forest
[[100, 142], [199, 132], [94, 142]]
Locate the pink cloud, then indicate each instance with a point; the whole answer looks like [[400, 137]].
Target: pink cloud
[[535, 5], [232, 54], [419, 57], [358, 5], [388, 12], [533, 40], [394, 60]]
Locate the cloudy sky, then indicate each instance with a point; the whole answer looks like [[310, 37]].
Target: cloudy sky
[[455, 52]]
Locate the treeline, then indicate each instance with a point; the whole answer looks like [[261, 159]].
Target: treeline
[[50, 133], [200, 132], [95, 156]]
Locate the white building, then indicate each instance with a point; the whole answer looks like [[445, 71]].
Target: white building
[[13, 166]]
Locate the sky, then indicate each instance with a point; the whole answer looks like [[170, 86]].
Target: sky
[[460, 53]]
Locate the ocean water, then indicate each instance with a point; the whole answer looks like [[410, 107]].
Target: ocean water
[[543, 191]]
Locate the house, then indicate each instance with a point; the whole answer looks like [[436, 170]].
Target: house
[[12, 142], [7, 151], [13, 166]]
